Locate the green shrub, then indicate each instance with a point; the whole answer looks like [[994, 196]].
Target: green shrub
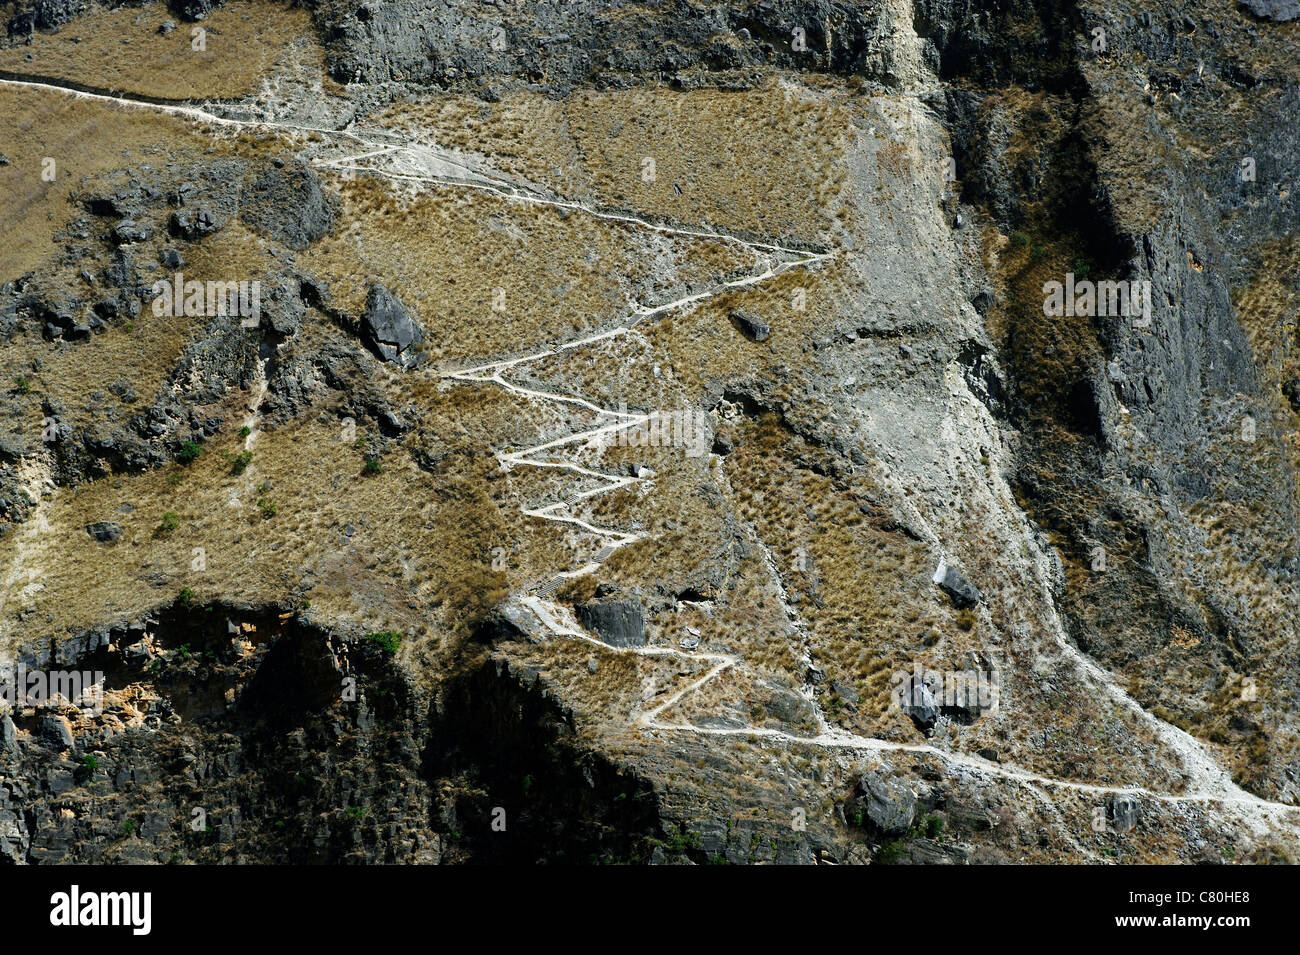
[[185, 597], [1019, 240], [240, 462], [372, 466], [388, 640], [266, 507], [189, 451], [170, 521], [891, 853]]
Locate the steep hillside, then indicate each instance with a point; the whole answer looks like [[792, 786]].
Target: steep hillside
[[795, 431]]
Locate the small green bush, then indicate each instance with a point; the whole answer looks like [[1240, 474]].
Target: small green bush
[[388, 640], [189, 451], [891, 853]]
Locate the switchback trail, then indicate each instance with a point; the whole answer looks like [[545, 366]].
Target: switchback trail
[[436, 166]]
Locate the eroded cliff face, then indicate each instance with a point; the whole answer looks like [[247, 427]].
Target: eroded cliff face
[[641, 434]]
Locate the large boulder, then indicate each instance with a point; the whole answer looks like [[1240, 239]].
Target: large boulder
[[889, 804], [13, 837], [194, 9], [194, 223], [931, 852], [954, 583], [1291, 391], [750, 325], [286, 202], [618, 622], [282, 306], [52, 14], [106, 532], [919, 700], [1123, 811], [8, 735], [1279, 11], [389, 329], [56, 732]]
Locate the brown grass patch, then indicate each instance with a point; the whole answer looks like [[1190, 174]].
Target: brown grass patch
[[121, 50]]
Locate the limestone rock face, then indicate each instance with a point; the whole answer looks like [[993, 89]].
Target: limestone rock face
[[618, 622]]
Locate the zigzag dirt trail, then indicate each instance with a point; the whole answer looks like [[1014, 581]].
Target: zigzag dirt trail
[[421, 164]]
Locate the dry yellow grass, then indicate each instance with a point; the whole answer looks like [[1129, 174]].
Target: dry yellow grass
[[667, 361], [487, 276], [865, 593], [85, 138], [762, 161], [78, 378], [1267, 309], [122, 51], [402, 549], [142, 352], [607, 700]]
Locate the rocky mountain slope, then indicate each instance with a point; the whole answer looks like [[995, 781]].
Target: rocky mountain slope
[[454, 432]]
